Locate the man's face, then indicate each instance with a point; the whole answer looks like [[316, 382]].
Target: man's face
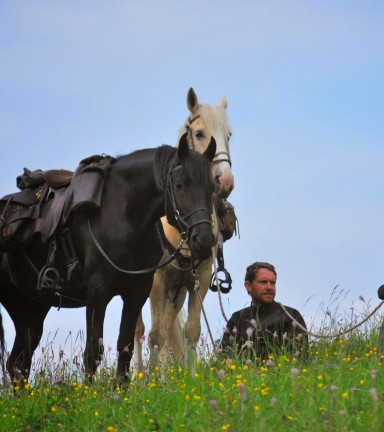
[[263, 288]]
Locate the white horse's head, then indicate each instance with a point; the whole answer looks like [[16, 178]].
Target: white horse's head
[[203, 122]]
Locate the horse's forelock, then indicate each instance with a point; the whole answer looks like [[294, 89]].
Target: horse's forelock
[[197, 166], [194, 166], [214, 116]]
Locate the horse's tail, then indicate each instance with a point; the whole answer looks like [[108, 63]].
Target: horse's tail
[[2, 345], [178, 333]]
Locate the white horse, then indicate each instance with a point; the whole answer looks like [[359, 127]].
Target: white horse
[[170, 286]]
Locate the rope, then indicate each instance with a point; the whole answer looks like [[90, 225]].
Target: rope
[[333, 334], [196, 289]]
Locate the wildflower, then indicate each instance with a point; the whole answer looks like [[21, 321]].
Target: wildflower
[[58, 381], [333, 387], [54, 408], [299, 335], [345, 395], [155, 347], [294, 323], [294, 372], [274, 334], [285, 336], [373, 394], [47, 379], [116, 397], [354, 389], [248, 361], [37, 375], [226, 329], [219, 350], [100, 341], [234, 331], [269, 363], [253, 322], [273, 401], [373, 373], [242, 390], [202, 340], [111, 429], [249, 331], [109, 348], [341, 412], [361, 298], [213, 404], [257, 408], [61, 354], [221, 374], [96, 414]]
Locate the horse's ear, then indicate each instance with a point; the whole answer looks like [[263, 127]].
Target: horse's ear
[[192, 101], [182, 149], [223, 102], [211, 150]]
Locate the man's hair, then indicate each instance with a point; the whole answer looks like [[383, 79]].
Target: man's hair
[[253, 269]]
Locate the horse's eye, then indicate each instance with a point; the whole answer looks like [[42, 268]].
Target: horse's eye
[[199, 135], [179, 186]]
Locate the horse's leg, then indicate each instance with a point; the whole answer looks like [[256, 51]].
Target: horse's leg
[[134, 301], [158, 299], [137, 349], [193, 326], [173, 333], [28, 317], [97, 302]]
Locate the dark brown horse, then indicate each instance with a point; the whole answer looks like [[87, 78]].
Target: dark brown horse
[[113, 246]]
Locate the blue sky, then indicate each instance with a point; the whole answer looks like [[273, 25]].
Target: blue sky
[[304, 84]]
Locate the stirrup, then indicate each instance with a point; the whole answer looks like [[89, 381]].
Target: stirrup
[[225, 284], [49, 278]]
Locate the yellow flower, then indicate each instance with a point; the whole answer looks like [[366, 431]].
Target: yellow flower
[[257, 408], [345, 395], [290, 418], [233, 367], [54, 408], [111, 429], [96, 414], [187, 397]]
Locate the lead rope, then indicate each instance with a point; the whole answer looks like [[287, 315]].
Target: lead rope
[[334, 334], [197, 289]]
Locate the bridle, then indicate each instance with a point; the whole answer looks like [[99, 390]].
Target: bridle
[[181, 220], [190, 135], [184, 228]]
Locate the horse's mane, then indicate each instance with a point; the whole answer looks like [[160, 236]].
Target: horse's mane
[[195, 166], [214, 116]]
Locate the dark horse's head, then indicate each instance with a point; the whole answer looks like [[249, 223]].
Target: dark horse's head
[[188, 184]]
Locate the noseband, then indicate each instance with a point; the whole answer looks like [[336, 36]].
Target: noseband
[[184, 228], [189, 131]]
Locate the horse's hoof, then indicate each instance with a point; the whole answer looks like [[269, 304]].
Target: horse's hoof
[[380, 292]]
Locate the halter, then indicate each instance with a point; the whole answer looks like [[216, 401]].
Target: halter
[[189, 131]]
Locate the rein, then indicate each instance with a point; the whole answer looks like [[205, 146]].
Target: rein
[[184, 235]]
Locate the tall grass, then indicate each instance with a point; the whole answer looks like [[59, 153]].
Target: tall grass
[[338, 387]]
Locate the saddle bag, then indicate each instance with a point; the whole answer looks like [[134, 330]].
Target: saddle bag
[[19, 218]]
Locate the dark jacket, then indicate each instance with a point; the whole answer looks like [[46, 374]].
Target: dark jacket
[[272, 330]]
